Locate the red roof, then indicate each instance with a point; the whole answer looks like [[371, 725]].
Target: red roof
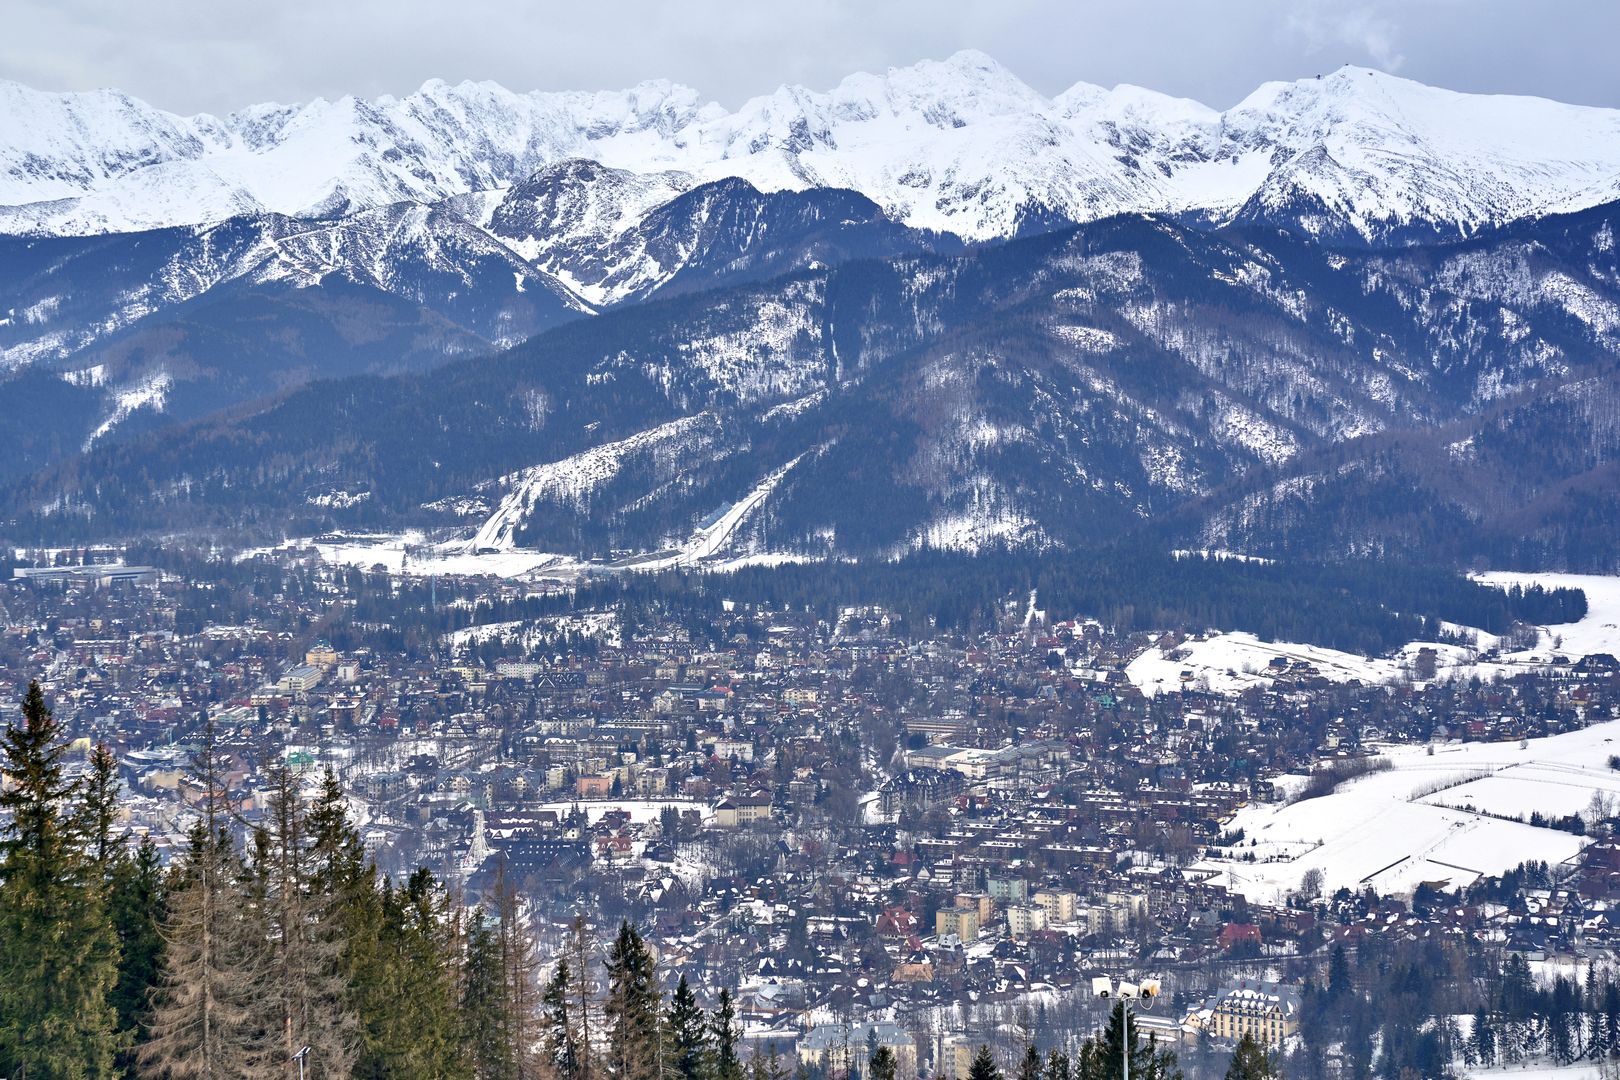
[[1232, 933]]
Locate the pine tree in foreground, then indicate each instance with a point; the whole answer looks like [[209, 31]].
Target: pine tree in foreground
[[635, 1026], [136, 900], [207, 1019], [726, 1037], [343, 889], [1102, 1056], [559, 1039], [411, 999], [1251, 1062], [983, 1066], [138, 903], [767, 1066], [307, 1000], [58, 948], [483, 1006], [688, 1034]]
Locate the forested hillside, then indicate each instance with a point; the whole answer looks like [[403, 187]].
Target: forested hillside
[[1246, 389]]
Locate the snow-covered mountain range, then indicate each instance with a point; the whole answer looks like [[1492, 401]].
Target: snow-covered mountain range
[[959, 145], [928, 308]]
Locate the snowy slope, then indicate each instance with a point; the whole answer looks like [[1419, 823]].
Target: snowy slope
[[570, 219], [1598, 632], [1379, 152], [424, 254], [572, 481], [959, 145], [1392, 830]]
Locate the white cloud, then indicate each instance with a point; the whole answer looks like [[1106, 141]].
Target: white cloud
[[1322, 23], [218, 55]]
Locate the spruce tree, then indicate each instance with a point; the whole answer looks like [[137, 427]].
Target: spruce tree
[[726, 1036], [881, 1064], [1251, 1062], [135, 899], [411, 1009], [344, 892], [138, 904], [635, 1029], [1338, 983], [984, 1065], [98, 811], [688, 1034], [307, 1002], [1030, 1067], [1102, 1056], [483, 1004], [1482, 1039], [58, 948], [558, 1039], [774, 1068]]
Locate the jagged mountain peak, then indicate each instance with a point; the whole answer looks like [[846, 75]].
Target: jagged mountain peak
[[1361, 155], [959, 145], [965, 85]]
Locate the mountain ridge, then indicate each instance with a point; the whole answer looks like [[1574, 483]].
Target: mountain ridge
[[959, 145], [925, 309], [1133, 376], [430, 282]]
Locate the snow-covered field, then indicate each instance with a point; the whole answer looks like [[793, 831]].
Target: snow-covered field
[[410, 554], [1598, 632], [1556, 789], [1582, 1071], [1388, 830], [1232, 662]]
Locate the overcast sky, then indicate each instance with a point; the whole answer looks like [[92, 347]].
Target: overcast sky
[[217, 55]]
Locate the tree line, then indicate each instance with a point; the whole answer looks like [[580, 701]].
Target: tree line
[[1397, 1009], [267, 948]]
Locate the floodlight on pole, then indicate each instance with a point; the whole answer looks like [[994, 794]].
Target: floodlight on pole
[[299, 1057], [1144, 992]]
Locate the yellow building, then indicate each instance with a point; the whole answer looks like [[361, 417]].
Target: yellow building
[[963, 922], [1268, 1012], [1058, 903], [955, 1057], [729, 813]]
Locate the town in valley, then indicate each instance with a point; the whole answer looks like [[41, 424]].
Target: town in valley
[[865, 831]]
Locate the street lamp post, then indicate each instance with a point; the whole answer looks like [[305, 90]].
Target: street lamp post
[[299, 1057], [1145, 992]]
